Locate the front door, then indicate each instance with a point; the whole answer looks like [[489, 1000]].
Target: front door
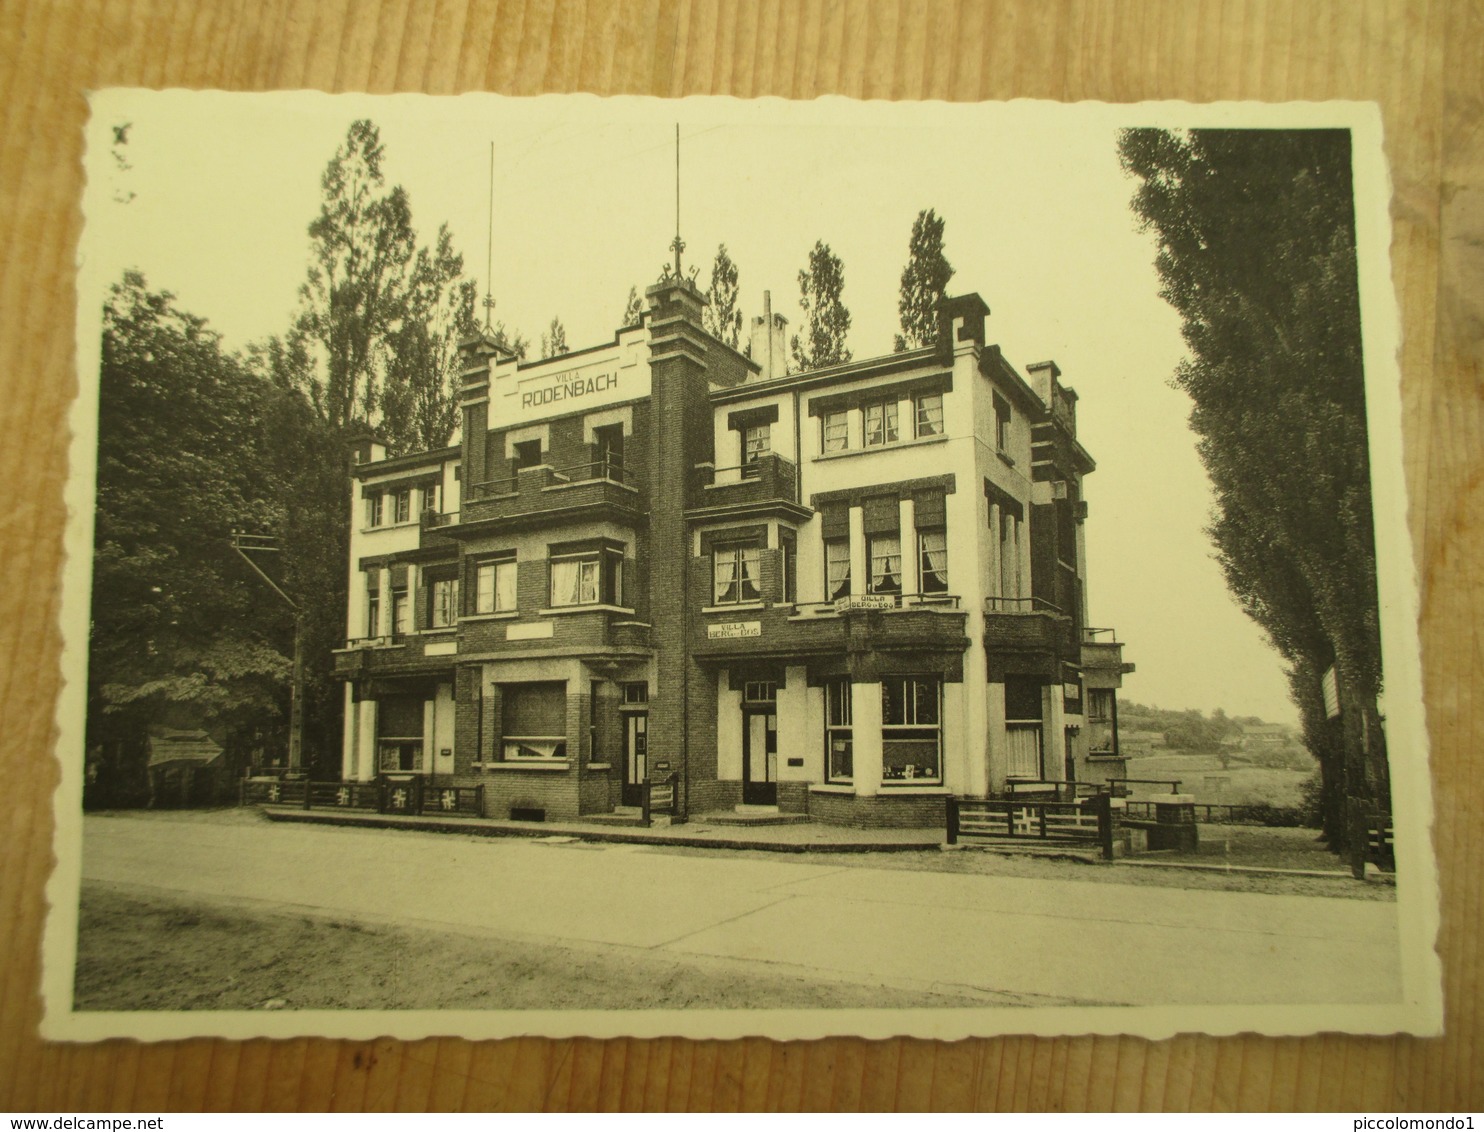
[[635, 756], [759, 758]]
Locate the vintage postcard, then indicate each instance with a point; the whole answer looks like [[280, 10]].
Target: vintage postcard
[[714, 568]]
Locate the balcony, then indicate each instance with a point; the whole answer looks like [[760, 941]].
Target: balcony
[[533, 497], [860, 624], [396, 654], [434, 532], [1026, 635], [765, 487], [1103, 665]]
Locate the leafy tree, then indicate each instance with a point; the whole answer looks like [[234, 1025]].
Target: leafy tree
[[554, 341], [1257, 254], [420, 402], [353, 299], [722, 315], [633, 308], [924, 282], [826, 321]]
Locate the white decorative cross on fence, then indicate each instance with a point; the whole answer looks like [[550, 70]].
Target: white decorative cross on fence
[[1024, 822]]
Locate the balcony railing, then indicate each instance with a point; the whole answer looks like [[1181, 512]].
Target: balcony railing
[[434, 519], [876, 601], [589, 471], [1098, 637], [1021, 605], [769, 477], [384, 641]]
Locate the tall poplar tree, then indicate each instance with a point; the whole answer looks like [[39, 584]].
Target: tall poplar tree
[[924, 283], [723, 316], [1257, 254], [826, 321]]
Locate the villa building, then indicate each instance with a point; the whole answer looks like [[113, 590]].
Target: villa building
[[848, 592]]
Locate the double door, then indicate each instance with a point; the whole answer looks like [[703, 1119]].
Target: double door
[[759, 757]]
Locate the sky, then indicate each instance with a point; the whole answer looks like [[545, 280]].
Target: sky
[[220, 189]]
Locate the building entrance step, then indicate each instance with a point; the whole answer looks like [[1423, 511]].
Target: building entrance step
[[751, 815], [621, 815]]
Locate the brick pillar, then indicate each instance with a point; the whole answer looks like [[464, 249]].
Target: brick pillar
[[683, 699]]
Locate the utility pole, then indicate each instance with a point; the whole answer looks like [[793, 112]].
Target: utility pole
[[244, 543]]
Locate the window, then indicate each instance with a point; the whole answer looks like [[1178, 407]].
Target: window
[[443, 609], [881, 423], [1023, 715], [430, 496], [401, 612], [592, 578], [399, 732], [534, 721], [527, 454], [911, 730], [837, 568], [756, 443], [636, 692], [760, 692], [494, 586], [928, 411], [932, 554], [373, 613], [1002, 419], [885, 555], [373, 509], [735, 574], [403, 502], [839, 762], [789, 553], [836, 430]]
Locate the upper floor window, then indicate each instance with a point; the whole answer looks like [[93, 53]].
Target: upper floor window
[[760, 692], [494, 586], [430, 496], [928, 411], [527, 454], [608, 452], [373, 613], [373, 508], [886, 564], [836, 431], [1002, 420], [636, 692], [443, 602], [756, 443], [735, 574], [590, 578], [402, 502], [932, 548], [881, 423], [836, 568], [401, 612]]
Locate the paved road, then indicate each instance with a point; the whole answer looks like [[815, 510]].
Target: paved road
[[1046, 940]]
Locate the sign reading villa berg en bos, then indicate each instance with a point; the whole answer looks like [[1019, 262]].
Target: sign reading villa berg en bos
[[593, 384], [731, 630]]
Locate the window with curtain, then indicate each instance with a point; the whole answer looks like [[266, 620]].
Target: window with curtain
[[1024, 710], [534, 720], [928, 411], [443, 609], [836, 431], [494, 586], [932, 548], [401, 612], [838, 732], [756, 443], [885, 554], [591, 578], [403, 500], [881, 423], [735, 574], [836, 568], [911, 730]]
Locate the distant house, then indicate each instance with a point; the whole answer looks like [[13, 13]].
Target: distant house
[[1265, 735], [1135, 743]]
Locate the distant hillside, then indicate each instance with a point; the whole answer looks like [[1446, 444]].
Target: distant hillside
[[1241, 739]]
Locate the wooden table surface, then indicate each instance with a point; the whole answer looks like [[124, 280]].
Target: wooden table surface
[[1419, 60]]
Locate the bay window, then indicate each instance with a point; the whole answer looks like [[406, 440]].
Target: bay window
[[735, 574], [534, 721], [911, 730], [590, 578], [885, 554], [836, 568], [932, 553]]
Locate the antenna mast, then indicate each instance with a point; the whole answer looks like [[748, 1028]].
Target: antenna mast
[[678, 245], [489, 254]]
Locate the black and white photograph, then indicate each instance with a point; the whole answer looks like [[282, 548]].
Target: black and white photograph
[[583, 566]]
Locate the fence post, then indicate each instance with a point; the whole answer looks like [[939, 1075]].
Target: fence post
[[1102, 805], [952, 820], [644, 803]]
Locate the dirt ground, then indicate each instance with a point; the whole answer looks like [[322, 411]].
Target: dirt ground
[[145, 950]]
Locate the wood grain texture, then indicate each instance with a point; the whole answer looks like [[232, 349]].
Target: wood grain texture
[[1418, 59]]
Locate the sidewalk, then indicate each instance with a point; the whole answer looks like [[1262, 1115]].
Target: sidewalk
[[801, 837]]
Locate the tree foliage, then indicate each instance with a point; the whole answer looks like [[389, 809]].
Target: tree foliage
[[192, 445], [1257, 254], [633, 308], [924, 282], [723, 316], [826, 322], [554, 341]]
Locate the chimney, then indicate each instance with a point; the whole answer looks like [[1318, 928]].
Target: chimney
[[769, 342]]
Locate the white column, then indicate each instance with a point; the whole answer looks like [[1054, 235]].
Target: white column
[[907, 518], [348, 740], [994, 752], [857, 551], [366, 741], [430, 736], [865, 738], [1055, 743], [996, 580], [1023, 546]]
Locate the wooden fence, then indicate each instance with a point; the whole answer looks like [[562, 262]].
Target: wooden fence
[[1211, 813], [658, 798], [1034, 822], [410, 795]]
